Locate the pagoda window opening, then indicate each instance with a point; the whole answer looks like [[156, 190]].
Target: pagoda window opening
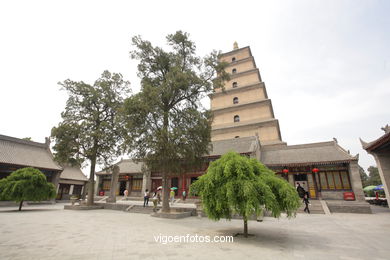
[[236, 118], [234, 71], [233, 59], [237, 136], [234, 84], [235, 100]]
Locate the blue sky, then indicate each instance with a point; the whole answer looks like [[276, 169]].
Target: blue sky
[[326, 64]]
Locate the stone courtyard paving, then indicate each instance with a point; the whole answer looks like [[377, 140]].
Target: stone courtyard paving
[[49, 232]]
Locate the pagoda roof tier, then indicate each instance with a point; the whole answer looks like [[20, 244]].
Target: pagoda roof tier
[[236, 51], [237, 125], [237, 62], [240, 105], [245, 73], [238, 89]]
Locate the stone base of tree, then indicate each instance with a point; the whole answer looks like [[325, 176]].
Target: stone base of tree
[[175, 213], [83, 207]]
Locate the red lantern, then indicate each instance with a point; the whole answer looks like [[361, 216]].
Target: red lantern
[[127, 177], [285, 171], [315, 170]]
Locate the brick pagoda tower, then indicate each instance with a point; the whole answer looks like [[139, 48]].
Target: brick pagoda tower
[[243, 108]]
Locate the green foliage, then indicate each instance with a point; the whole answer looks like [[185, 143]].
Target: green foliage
[[89, 129], [363, 177], [236, 184], [26, 184], [166, 123], [373, 178]]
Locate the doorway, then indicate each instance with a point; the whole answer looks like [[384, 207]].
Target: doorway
[[302, 180], [122, 187]]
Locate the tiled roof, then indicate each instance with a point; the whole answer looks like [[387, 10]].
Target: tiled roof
[[239, 145], [315, 153], [26, 153], [73, 173], [126, 166]]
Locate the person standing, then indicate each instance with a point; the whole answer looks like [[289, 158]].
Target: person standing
[[158, 196], [125, 193], [184, 195], [172, 196], [146, 197], [306, 201]]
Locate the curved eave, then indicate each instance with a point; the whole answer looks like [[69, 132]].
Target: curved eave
[[309, 163], [242, 105], [377, 143], [237, 89], [33, 166], [235, 51], [265, 122]]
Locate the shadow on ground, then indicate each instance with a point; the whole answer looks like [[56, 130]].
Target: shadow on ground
[[27, 210]]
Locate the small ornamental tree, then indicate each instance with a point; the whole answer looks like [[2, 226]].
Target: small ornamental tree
[[235, 184], [26, 184]]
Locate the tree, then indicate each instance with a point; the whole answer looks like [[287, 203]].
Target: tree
[[26, 184], [363, 177], [89, 130], [235, 184], [165, 121], [374, 178]]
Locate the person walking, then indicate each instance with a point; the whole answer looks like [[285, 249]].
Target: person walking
[[306, 201], [125, 194], [301, 191], [146, 197]]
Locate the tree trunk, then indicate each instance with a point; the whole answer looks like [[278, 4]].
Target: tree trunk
[[91, 189], [165, 198], [20, 205], [165, 202], [245, 227]]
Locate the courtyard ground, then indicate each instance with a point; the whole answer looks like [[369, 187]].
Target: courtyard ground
[[50, 232]]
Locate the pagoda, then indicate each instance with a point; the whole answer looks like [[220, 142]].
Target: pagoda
[[242, 108]]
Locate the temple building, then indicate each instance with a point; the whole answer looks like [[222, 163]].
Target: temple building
[[244, 121], [18, 153], [380, 149]]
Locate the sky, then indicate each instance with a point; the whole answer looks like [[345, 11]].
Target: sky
[[325, 64]]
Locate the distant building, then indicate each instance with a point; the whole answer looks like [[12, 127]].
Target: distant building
[[18, 153], [72, 183], [131, 177]]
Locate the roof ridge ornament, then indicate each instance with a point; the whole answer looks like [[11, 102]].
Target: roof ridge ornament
[[386, 128], [235, 45]]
